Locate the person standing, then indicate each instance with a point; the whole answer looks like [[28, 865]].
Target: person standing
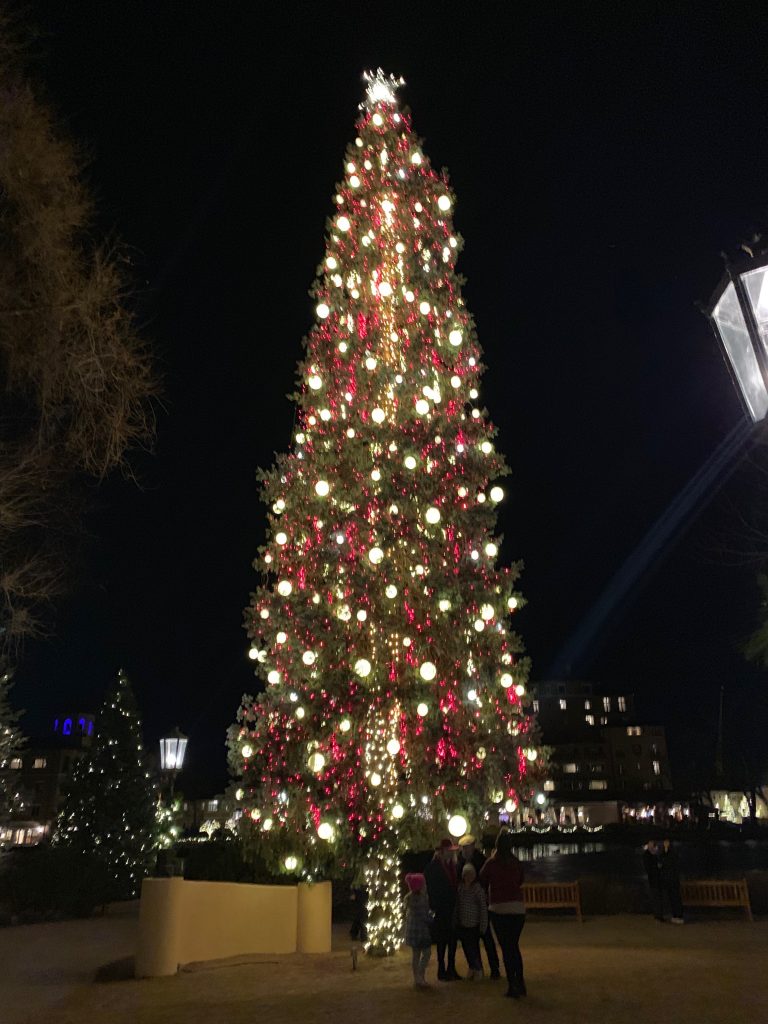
[[471, 919], [469, 854], [442, 883], [418, 935], [669, 870], [502, 874], [653, 871]]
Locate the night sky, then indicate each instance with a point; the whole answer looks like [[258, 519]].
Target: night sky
[[602, 156]]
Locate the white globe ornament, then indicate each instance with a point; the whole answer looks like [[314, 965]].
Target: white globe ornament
[[363, 667], [246, 750], [267, 824], [322, 310], [444, 604], [281, 538], [444, 203], [422, 710], [398, 811], [510, 806], [325, 831], [455, 337], [378, 415], [309, 657], [424, 307], [322, 487], [487, 612], [497, 493], [375, 556], [512, 603], [491, 550], [410, 462], [343, 224], [273, 677], [422, 407], [506, 680], [316, 762], [432, 516], [531, 754], [391, 591], [427, 671], [519, 690], [375, 779], [457, 825], [291, 863], [284, 588], [393, 747]]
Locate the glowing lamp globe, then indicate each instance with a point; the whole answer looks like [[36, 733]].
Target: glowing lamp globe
[[738, 313], [427, 671], [325, 831], [172, 751], [457, 825]]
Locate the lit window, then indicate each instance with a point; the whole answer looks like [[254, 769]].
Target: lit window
[[213, 805], [657, 768], [587, 705], [535, 707], [622, 703], [603, 719], [549, 786], [606, 703], [589, 719], [15, 762], [634, 730], [39, 762], [563, 704], [570, 769], [598, 784]]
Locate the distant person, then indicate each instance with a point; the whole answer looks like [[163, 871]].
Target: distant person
[[669, 869], [469, 854], [652, 867], [442, 882], [359, 896], [471, 918], [502, 874], [418, 933]]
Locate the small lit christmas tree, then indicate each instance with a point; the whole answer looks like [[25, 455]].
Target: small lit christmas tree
[[11, 741], [395, 701], [109, 809]]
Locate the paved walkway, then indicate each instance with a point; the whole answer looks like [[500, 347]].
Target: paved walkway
[[612, 969]]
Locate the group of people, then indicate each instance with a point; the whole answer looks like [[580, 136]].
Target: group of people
[[467, 899], [662, 868]]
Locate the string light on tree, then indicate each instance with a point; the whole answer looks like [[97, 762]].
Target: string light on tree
[[381, 581]]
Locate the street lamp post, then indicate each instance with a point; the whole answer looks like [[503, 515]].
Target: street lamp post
[[738, 312], [172, 750]]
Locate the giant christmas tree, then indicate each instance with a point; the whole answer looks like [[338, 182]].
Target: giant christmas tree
[[394, 704]]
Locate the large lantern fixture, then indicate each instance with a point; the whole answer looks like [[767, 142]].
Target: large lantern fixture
[[739, 315], [173, 747]]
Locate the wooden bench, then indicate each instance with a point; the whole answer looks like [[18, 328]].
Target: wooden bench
[[714, 892], [553, 896]]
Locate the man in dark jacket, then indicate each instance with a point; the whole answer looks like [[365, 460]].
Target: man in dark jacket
[[653, 870], [469, 854], [670, 880], [442, 882]]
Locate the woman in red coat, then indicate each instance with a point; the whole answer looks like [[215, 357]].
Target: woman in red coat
[[502, 875]]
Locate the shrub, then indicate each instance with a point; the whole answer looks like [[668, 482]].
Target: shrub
[[47, 882]]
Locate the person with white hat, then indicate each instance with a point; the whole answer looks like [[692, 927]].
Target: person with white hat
[[469, 854]]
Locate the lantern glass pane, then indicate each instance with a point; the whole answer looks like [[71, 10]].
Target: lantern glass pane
[[756, 284], [738, 346]]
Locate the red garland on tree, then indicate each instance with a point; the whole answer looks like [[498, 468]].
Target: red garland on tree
[[395, 703]]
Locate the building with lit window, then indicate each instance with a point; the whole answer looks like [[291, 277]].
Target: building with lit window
[[601, 759], [38, 776]]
